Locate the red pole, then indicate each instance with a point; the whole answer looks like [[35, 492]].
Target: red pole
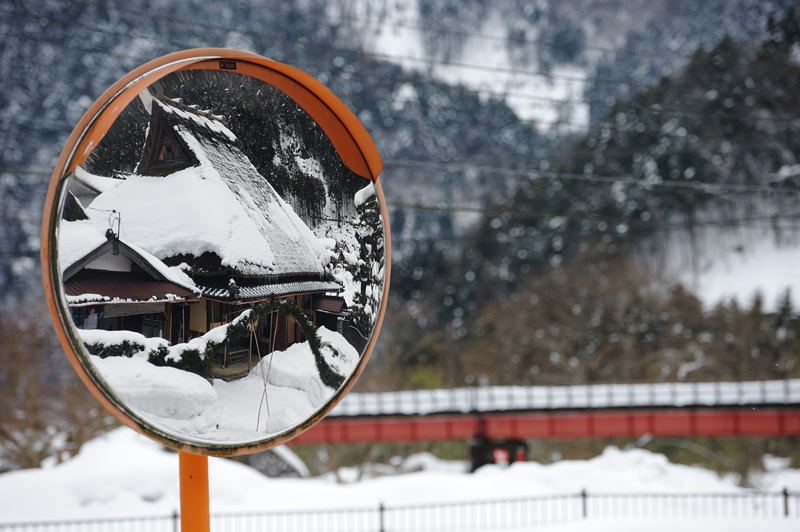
[[195, 516]]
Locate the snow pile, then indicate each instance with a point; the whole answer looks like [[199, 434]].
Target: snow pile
[[283, 390], [343, 358], [217, 335], [777, 475], [295, 367], [162, 391], [99, 483], [613, 471]]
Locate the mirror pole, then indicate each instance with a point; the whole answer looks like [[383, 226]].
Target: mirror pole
[[195, 515]]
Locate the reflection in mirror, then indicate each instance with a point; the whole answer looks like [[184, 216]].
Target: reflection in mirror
[[222, 268]]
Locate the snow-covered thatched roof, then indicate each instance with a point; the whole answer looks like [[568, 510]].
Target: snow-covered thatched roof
[[220, 206]]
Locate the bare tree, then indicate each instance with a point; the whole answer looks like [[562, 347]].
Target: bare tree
[[45, 412]]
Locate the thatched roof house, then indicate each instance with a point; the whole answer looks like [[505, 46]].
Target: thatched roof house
[[196, 200]]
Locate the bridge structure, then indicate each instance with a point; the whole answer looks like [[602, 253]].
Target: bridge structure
[[681, 409]]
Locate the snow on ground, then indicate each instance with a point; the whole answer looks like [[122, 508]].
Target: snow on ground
[[671, 525], [777, 475], [125, 474], [764, 268], [163, 391], [736, 263], [281, 391]]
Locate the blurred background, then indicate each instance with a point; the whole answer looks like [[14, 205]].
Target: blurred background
[[580, 193]]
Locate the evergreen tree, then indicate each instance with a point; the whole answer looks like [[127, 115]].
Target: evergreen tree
[[369, 269]]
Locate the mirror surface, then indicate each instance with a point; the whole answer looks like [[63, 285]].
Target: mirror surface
[[222, 268]]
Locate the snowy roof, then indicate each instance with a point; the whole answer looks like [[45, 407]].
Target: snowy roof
[[82, 179], [263, 291], [80, 242], [221, 206]]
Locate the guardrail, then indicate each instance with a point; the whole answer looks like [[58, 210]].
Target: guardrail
[[582, 396], [477, 515]]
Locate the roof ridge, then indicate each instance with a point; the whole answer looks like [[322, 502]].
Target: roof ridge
[[178, 103]]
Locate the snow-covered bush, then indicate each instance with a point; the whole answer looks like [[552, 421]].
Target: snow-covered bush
[[197, 355]]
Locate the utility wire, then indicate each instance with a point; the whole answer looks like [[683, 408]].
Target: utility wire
[[372, 24], [311, 45], [504, 94], [572, 126], [769, 221], [489, 37], [592, 178], [533, 175], [500, 94]]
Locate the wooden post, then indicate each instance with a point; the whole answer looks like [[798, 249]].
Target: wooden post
[[195, 515]]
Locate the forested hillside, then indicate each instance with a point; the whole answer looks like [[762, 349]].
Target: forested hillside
[[560, 175], [569, 280]]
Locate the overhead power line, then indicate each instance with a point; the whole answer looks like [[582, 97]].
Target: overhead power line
[[387, 57], [763, 220], [312, 45], [534, 174], [372, 24]]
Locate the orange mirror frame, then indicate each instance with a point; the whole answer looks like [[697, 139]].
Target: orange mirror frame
[[346, 133]]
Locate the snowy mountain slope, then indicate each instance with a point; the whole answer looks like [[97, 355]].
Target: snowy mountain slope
[[737, 263], [417, 113]]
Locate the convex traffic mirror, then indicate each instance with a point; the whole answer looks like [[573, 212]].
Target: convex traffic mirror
[[215, 250]]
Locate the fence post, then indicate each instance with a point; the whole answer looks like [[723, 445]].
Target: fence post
[[584, 505], [381, 511], [175, 525], [785, 502]]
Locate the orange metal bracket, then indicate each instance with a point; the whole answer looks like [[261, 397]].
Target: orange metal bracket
[[195, 516]]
